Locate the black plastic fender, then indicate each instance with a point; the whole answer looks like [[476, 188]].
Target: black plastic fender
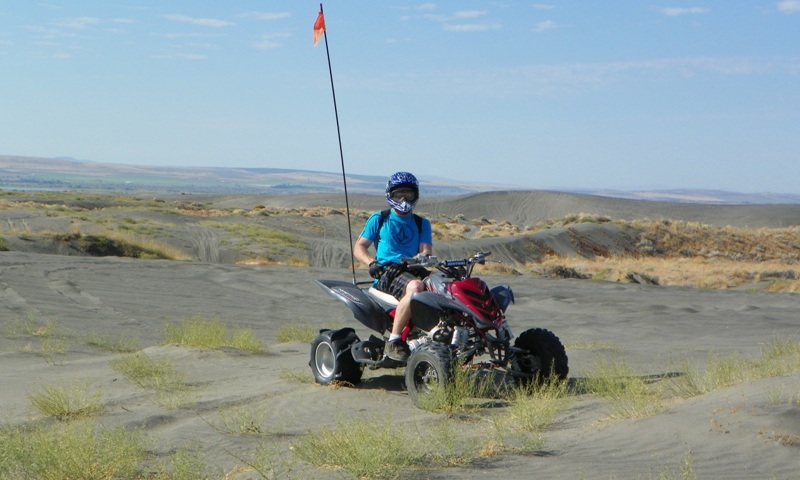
[[341, 339], [332, 357], [426, 308], [503, 295], [364, 308]]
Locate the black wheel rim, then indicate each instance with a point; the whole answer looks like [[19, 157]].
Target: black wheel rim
[[425, 377]]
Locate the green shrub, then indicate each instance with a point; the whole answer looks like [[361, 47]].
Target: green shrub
[[78, 450], [67, 402], [105, 342], [197, 331], [374, 448], [296, 332]]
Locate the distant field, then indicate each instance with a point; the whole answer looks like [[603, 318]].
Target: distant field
[[579, 245]]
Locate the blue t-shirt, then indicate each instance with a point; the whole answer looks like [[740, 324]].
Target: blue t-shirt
[[400, 237]]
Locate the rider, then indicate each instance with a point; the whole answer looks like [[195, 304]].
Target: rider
[[401, 236]]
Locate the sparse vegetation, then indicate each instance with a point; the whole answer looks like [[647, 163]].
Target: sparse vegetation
[[464, 393], [67, 402], [296, 332], [778, 357], [71, 450], [692, 254], [632, 394], [157, 375], [184, 465], [28, 325], [533, 408], [496, 420], [120, 244], [245, 420], [377, 448], [257, 241], [673, 252], [47, 339], [197, 331], [107, 343]]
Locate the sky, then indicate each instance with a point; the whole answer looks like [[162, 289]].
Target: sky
[[570, 94]]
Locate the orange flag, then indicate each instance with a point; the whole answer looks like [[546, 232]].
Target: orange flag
[[319, 27]]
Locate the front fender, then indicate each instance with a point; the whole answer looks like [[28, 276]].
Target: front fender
[[503, 295], [426, 309], [364, 308]]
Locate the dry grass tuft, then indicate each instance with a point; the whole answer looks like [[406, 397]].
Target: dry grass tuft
[[678, 253]]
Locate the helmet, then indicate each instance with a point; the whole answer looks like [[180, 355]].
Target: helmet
[[408, 181]]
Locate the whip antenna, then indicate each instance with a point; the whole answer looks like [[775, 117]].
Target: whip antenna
[[320, 30]]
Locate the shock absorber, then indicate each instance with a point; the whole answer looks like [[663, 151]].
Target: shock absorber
[[460, 335], [418, 342]]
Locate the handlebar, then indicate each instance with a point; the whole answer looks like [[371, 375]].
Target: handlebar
[[432, 261]]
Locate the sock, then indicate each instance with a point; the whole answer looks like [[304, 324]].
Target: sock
[[393, 337]]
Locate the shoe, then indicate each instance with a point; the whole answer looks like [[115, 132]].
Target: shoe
[[397, 350]]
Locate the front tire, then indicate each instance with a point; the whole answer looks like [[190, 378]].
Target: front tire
[[429, 367], [331, 358], [544, 357]]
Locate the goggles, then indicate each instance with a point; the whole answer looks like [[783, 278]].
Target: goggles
[[400, 194]]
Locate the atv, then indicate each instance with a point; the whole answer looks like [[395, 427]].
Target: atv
[[457, 321]]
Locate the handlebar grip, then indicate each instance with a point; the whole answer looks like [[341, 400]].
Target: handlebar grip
[[462, 262]]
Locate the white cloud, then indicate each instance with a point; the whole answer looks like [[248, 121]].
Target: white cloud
[[78, 23], [470, 14], [205, 22], [579, 78], [789, 6], [542, 6], [544, 26], [185, 56], [186, 35], [267, 41], [123, 20], [265, 15], [451, 25], [472, 27], [678, 11], [266, 45]]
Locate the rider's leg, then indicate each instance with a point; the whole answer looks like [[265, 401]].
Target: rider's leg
[[403, 313]]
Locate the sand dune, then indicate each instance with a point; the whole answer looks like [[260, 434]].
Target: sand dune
[[733, 432], [531, 207]]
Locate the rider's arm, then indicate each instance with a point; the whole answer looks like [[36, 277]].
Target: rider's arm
[[426, 248], [361, 250], [426, 238]]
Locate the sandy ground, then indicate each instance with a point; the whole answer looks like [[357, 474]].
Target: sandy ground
[[734, 432], [730, 433]]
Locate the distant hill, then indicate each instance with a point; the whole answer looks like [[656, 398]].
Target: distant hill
[[63, 173], [69, 174]]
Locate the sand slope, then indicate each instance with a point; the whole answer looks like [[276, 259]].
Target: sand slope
[[730, 433]]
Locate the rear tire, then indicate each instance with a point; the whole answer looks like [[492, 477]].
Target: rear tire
[[331, 358], [430, 366], [545, 357]]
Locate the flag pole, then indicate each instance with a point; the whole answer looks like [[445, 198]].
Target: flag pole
[[319, 25]]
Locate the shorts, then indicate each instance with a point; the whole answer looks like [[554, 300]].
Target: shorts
[[398, 286]]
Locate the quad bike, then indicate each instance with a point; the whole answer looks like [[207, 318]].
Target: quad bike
[[455, 321]]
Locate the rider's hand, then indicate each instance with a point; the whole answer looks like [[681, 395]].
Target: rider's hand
[[393, 270], [421, 258], [375, 269]]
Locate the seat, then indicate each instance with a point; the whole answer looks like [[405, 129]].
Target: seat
[[383, 296]]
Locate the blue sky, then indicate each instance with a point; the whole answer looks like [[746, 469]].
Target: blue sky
[[561, 94]]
